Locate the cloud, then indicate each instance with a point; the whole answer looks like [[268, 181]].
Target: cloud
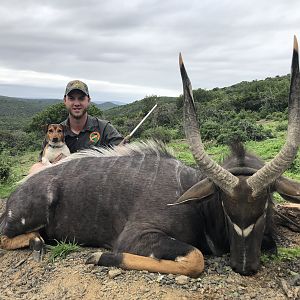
[[130, 49]]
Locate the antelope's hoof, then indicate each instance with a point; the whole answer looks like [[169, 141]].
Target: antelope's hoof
[[94, 258], [37, 245]]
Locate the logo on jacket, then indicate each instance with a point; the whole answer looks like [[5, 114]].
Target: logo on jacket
[[94, 137]]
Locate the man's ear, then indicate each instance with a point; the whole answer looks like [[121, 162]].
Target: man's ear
[[288, 189]]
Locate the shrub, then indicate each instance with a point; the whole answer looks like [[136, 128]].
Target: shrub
[[210, 130], [161, 133], [277, 116], [19, 141], [237, 128], [5, 168], [282, 126]]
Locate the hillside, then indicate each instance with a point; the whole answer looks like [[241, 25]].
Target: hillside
[[15, 113], [106, 105], [246, 101], [221, 111]]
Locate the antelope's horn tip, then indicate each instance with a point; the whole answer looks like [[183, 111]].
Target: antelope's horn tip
[[180, 59], [295, 43]]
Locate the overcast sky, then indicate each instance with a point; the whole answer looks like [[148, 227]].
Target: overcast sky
[[125, 50]]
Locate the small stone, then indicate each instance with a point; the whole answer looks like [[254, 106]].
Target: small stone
[[114, 273], [295, 280], [160, 278], [182, 279]]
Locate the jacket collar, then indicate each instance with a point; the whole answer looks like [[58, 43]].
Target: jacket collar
[[87, 127]]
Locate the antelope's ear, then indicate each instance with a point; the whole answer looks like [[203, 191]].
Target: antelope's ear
[[288, 189], [199, 191]]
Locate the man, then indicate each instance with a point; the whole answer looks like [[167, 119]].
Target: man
[[82, 130]]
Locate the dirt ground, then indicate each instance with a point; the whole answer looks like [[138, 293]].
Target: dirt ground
[[23, 278]]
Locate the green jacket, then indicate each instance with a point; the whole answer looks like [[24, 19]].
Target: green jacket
[[95, 133]]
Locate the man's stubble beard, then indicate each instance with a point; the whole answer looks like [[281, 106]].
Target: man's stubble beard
[[77, 116]]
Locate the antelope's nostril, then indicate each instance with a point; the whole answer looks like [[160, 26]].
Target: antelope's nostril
[[245, 272]]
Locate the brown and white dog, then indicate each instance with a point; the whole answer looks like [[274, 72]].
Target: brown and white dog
[[55, 144]]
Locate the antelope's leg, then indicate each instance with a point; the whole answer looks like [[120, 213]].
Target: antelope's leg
[[37, 245], [159, 253], [17, 242], [32, 239]]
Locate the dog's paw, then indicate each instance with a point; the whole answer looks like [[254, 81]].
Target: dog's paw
[[45, 161]]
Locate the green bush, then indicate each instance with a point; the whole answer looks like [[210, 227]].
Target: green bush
[[241, 128], [160, 133], [277, 116], [19, 141], [210, 130], [5, 168], [282, 126], [295, 165]]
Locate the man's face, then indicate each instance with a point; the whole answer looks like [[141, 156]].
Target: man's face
[[77, 103]]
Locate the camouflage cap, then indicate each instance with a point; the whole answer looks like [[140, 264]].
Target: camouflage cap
[[77, 85]]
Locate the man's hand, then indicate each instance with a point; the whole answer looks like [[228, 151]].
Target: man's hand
[[126, 140]]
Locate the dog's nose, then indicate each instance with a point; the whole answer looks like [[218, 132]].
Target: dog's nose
[[55, 140]]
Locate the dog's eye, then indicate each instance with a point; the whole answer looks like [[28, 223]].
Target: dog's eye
[[59, 130], [50, 130]]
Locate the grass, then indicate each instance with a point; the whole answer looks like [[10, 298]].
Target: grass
[[62, 249], [20, 165], [283, 254], [183, 153]]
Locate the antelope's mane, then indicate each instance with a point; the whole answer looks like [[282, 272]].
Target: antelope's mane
[[149, 147]]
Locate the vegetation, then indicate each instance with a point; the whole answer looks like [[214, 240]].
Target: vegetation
[[62, 249], [282, 255], [18, 168], [226, 113], [254, 112]]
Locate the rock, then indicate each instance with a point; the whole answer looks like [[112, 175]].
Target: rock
[[182, 279], [295, 280], [171, 276], [286, 289], [114, 273]]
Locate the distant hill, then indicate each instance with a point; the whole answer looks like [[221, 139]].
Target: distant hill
[[105, 105], [136, 106], [16, 112], [260, 98], [11, 106]]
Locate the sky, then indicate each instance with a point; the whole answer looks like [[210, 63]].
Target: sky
[[126, 50]]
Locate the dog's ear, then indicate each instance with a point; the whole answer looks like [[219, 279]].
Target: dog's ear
[[45, 128]]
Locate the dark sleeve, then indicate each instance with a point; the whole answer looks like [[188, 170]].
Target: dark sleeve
[[43, 146], [111, 136]]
